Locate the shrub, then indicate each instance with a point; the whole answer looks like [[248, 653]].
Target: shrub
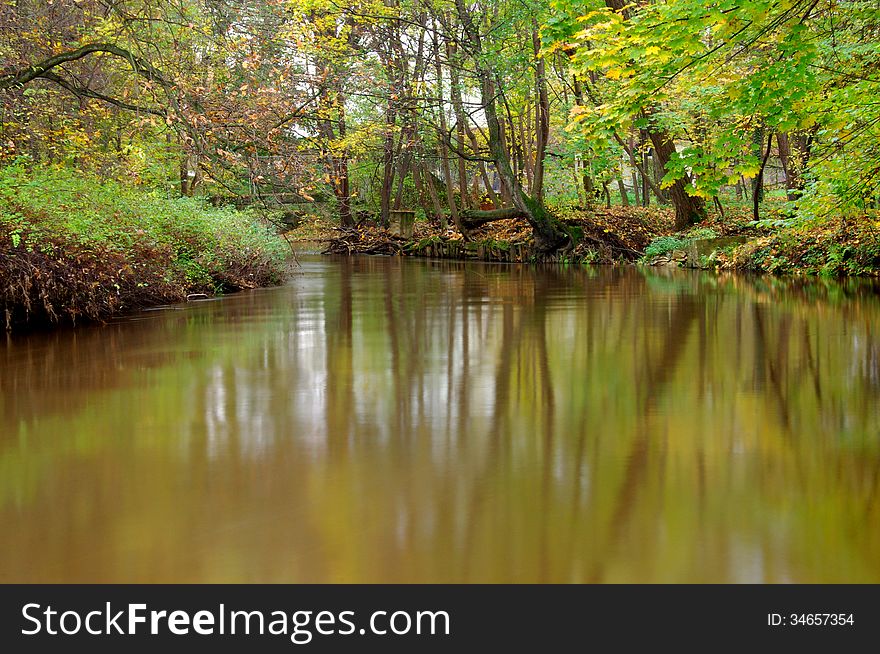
[[665, 244], [73, 247]]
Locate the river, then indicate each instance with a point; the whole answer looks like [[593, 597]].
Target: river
[[400, 420]]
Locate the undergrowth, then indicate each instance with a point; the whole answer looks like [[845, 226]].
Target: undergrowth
[[72, 247]]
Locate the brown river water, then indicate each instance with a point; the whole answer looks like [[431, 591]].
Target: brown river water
[[397, 420]]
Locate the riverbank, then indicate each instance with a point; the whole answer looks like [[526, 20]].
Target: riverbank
[[635, 235], [73, 248]]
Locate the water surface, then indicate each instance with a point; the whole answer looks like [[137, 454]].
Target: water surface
[[395, 420]]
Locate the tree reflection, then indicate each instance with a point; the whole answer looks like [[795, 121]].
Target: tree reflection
[[394, 420]]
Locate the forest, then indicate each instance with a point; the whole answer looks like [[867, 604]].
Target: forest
[[152, 150], [440, 291]]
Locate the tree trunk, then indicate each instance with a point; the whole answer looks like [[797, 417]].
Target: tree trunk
[[548, 234], [341, 185], [189, 174], [460, 118], [589, 187], [403, 158], [332, 127], [624, 198], [387, 164], [516, 149], [343, 196], [576, 173], [542, 118], [631, 153], [474, 218], [409, 137], [403, 169], [689, 209], [525, 135], [645, 175], [686, 207], [637, 196], [659, 171], [337, 161], [794, 151], [758, 179], [428, 183], [442, 135], [484, 174], [590, 190], [758, 193], [185, 188]]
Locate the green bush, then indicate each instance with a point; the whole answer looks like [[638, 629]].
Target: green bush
[[665, 244], [120, 246]]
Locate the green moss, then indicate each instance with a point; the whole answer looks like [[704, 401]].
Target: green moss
[[492, 244]]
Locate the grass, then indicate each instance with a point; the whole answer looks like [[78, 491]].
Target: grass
[[72, 247]]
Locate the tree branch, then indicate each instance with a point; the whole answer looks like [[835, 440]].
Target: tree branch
[[140, 66], [82, 91]]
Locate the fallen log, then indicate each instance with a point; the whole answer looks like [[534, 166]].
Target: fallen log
[[473, 218]]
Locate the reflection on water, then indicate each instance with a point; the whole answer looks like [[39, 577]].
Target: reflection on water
[[398, 420]]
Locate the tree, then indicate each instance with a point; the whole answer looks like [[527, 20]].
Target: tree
[[548, 233], [717, 78], [607, 49]]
